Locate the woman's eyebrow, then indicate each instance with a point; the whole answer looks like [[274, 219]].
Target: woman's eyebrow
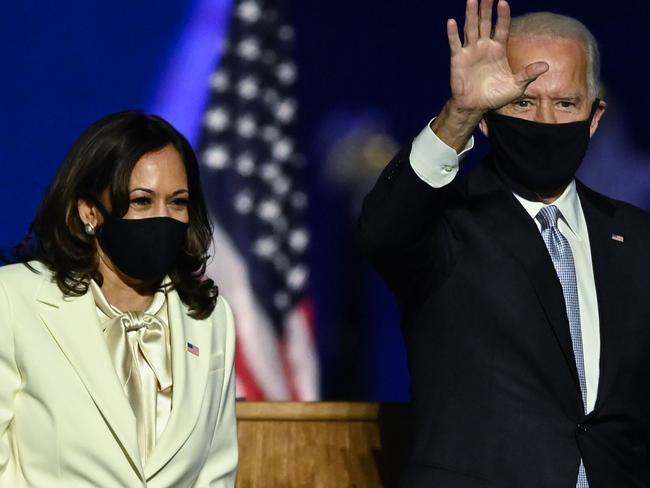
[[139, 188]]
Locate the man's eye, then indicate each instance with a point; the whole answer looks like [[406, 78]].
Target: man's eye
[[566, 104], [522, 103]]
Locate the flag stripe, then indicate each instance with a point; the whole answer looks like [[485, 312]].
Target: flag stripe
[[251, 175]]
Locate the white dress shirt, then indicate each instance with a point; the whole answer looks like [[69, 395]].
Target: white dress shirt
[[437, 164]]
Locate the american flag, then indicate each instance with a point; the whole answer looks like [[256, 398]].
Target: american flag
[[250, 175], [191, 348]]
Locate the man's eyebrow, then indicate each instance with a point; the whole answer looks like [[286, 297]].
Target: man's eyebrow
[[570, 96]]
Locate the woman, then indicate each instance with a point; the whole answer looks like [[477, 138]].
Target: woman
[[116, 353]]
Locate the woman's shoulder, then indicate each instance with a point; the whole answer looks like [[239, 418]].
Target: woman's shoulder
[[21, 283], [222, 311], [223, 322], [24, 274]]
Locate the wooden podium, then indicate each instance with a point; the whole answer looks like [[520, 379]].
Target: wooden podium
[[321, 444]]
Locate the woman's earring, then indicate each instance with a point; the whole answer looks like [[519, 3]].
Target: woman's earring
[[89, 229]]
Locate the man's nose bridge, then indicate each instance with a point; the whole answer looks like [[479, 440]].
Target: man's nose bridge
[[545, 113]]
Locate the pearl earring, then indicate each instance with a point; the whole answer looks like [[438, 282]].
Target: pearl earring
[[89, 229]]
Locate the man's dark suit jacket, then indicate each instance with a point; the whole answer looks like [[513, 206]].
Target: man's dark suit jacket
[[493, 377]]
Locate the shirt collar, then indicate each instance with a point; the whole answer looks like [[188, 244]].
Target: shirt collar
[[159, 299], [569, 205]]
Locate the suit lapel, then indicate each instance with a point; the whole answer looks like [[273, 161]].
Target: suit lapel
[[606, 256], [73, 324], [504, 218], [189, 373]]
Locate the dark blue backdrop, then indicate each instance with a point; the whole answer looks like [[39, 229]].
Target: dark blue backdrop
[[66, 64]]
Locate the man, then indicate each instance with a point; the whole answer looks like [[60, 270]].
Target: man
[[522, 291]]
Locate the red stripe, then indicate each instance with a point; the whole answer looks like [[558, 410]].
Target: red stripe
[[288, 371], [307, 308], [304, 307], [253, 391]]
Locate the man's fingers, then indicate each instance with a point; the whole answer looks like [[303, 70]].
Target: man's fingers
[[471, 22], [531, 72], [485, 23], [502, 28], [452, 34]]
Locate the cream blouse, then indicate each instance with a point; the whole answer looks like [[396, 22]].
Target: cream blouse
[[139, 345]]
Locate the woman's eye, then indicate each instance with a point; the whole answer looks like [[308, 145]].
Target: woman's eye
[[180, 202], [140, 201]]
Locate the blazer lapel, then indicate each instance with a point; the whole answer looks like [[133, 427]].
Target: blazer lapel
[[607, 257], [189, 372], [512, 226], [73, 324]]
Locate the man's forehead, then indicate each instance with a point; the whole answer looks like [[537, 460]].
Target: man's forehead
[[546, 47]]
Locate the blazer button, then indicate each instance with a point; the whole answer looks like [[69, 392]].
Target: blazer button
[[582, 428]]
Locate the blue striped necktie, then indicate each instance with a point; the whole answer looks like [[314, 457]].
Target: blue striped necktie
[[560, 251]]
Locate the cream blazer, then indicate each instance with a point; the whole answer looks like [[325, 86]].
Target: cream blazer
[[64, 419]]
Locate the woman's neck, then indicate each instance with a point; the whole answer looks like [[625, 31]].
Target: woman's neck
[[120, 291]]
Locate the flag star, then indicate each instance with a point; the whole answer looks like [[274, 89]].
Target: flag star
[[286, 33], [269, 57], [281, 186], [265, 247], [244, 202], [281, 262], [216, 157], [282, 149], [248, 88], [245, 164], [249, 49], [299, 200], [297, 277], [298, 240], [269, 171], [280, 224], [281, 300], [270, 133], [286, 110], [268, 210], [220, 81], [249, 11], [216, 119], [286, 72], [271, 97], [246, 126]]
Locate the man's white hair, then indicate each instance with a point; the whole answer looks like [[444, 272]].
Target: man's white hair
[[547, 25]]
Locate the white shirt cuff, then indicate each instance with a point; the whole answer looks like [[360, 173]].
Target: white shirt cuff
[[434, 161]]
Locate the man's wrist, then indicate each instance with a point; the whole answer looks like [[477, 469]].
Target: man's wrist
[[454, 126]]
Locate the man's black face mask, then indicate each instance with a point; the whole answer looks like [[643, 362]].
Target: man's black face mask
[[535, 158]]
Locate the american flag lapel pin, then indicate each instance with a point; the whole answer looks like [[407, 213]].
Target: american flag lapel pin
[[192, 349], [617, 237]]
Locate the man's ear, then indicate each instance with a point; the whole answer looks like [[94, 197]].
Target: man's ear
[[482, 125], [88, 213], [598, 114]]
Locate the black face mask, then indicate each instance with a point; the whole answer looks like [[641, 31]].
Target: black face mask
[[144, 249], [534, 157]]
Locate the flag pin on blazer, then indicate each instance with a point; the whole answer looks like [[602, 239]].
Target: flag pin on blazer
[[618, 238], [191, 348]]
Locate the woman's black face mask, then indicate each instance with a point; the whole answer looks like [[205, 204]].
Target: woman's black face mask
[[144, 249], [535, 157]]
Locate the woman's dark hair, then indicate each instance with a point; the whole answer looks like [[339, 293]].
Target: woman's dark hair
[[102, 161]]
